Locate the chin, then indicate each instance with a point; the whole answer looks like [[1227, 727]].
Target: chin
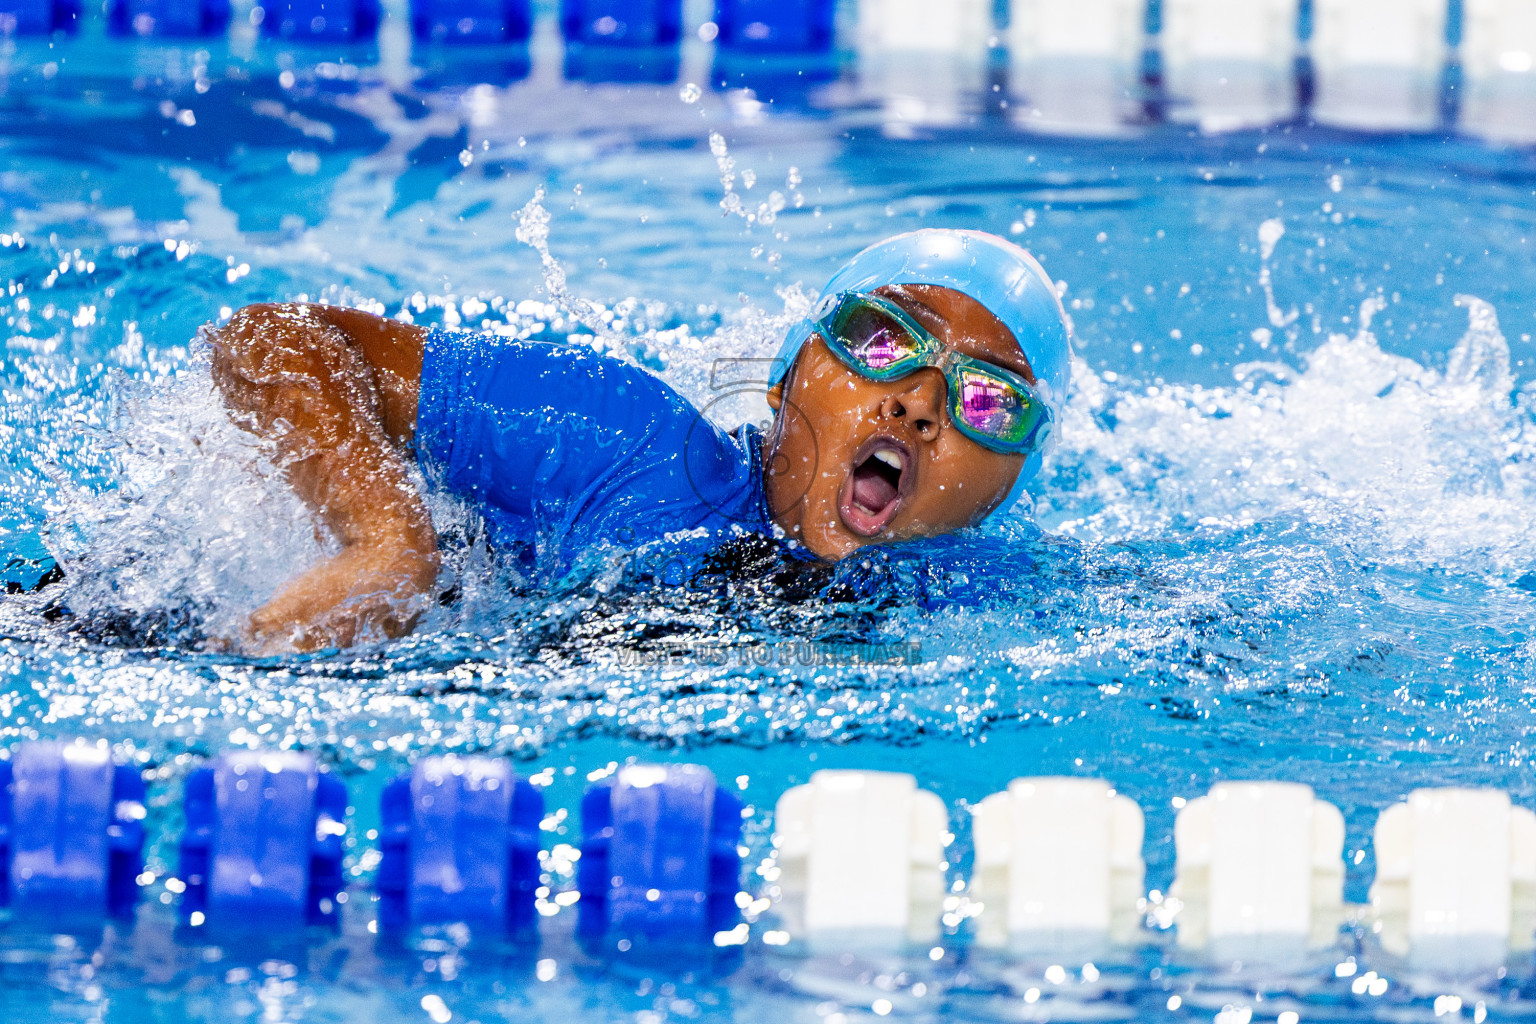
[[831, 542]]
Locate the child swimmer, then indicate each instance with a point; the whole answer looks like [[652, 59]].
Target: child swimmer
[[913, 401]]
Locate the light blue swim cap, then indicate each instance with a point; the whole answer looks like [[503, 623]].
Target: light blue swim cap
[[993, 271]]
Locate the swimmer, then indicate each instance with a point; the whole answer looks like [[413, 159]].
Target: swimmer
[[915, 400]]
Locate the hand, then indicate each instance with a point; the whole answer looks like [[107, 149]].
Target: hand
[[374, 590]]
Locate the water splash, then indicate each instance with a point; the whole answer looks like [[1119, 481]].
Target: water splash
[[172, 524], [197, 529], [766, 212], [533, 231], [1195, 528], [1394, 460], [1270, 233], [730, 201], [1389, 457]]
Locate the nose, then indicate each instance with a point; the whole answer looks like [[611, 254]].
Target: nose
[[919, 403]]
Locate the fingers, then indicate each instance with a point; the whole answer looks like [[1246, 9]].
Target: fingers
[[274, 632], [361, 593]]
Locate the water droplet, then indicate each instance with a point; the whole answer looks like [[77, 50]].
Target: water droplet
[[690, 93]]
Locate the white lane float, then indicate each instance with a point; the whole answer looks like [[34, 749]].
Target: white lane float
[[1455, 877], [1260, 865], [1498, 55], [1075, 65], [923, 62], [1230, 64], [1058, 865], [861, 854], [1378, 63]]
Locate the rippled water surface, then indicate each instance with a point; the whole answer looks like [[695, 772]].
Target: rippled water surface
[[1287, 532]]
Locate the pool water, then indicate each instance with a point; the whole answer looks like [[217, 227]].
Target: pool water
[[1286, 533]]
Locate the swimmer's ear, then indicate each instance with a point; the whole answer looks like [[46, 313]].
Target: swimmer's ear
[[776, 396]]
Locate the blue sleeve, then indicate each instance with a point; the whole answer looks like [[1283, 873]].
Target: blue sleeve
[[585, 445]]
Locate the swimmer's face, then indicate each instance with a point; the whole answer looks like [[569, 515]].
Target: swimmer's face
[[852, 461]]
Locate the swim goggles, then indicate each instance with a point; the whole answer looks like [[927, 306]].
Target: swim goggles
[[877, 339]]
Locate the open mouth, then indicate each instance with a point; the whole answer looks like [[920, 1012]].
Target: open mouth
[[874, 489]]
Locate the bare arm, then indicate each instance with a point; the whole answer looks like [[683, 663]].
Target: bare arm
[[336, 390]]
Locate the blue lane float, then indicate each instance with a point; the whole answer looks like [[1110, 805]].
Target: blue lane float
[[659, 859], [775, 26], [459, 842], [622, 22], [471, 21], [182, 19], [263, 842], [71, 830], [38, 17], [321, 21]]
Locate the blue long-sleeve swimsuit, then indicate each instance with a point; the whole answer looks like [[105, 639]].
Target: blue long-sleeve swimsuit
[[560, 445]]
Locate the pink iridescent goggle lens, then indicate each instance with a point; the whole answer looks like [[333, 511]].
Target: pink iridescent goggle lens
[[993, 406]]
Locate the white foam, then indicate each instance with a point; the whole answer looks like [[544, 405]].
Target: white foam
[[196, 519], [1403, 462]]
